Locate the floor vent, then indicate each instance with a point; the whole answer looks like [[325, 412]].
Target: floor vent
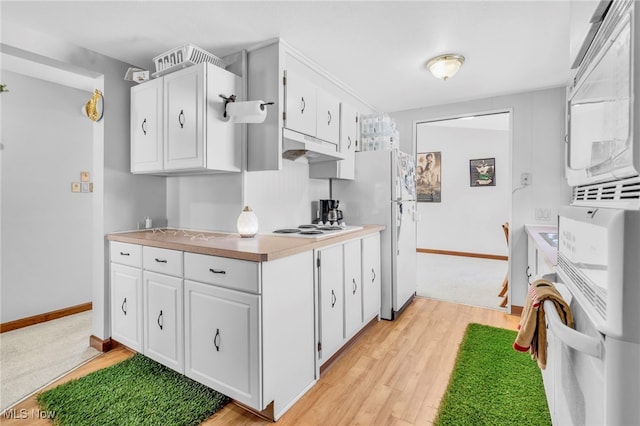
[[622, 194]]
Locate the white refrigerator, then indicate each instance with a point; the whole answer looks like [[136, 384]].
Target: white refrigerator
[[384, 192]]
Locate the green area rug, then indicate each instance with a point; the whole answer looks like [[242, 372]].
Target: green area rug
[[137, 391], [492, 384]]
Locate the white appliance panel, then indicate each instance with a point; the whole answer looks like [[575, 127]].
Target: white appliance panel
[[403, 240]]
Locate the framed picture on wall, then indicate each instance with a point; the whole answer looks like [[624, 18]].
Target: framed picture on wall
[[482, 172], [428, 177]]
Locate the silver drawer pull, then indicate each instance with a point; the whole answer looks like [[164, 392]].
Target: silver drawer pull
[[161, 260], [124, 254], [215, 271]]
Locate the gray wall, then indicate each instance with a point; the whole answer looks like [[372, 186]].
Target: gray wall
[[120, 199], [46, 229], [538, 129]]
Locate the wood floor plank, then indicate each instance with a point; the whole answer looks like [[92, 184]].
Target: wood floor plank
[[395, 374]]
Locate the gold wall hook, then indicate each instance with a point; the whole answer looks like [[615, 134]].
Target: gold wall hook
[[94, 107]]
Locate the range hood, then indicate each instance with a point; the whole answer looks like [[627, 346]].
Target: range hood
[[296, 145]]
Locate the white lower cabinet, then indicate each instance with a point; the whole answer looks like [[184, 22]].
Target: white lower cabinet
[[163, 325], [352, 288], [249, 330], [222, 340], [371, 277], [126, 305], [348, 285], [331, 300]]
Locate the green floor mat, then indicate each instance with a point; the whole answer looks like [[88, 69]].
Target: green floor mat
[[137, 391], [492, 384]]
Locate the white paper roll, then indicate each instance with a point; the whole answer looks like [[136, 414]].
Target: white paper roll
[[247, 112]]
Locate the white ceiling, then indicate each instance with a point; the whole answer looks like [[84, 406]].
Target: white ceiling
[[377, 48]]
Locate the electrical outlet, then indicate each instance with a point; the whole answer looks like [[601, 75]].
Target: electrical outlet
[[542, 214], [525, 179]]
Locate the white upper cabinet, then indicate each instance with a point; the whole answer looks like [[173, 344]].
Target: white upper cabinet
[[349, 135], [306, 100], [310, 109], [328, 117], [147, 126], [185, 119], [195, 135], [300, 104]]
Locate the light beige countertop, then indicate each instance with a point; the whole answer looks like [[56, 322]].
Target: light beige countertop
[[262, 247], [549, 252]]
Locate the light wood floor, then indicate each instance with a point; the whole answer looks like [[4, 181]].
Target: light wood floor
[[395, 374]]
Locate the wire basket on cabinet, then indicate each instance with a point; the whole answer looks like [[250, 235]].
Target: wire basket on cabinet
[[182, 57]]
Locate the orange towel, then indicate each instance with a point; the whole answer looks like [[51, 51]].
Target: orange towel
[[532, 330]]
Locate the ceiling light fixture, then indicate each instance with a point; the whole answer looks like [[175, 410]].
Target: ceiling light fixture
[[445, 66]]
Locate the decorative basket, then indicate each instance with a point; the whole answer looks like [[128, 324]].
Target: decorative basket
[[182, 57]]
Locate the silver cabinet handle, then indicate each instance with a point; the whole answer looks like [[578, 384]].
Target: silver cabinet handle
[[373, 275], [355, 286], [181, 118], [334, 299], [144, 126], [216, 271], [328, 118], [124, 306], [124, 254], [303, 105], [349, 144], [161, 260]]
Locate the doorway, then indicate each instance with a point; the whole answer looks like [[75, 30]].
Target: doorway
[[464, 198], [47, 164]]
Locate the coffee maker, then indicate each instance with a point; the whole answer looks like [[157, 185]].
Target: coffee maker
[[329, 212]]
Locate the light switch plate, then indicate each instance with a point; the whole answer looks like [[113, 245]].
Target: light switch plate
[[84, 176], [85, 186], [75, 186]]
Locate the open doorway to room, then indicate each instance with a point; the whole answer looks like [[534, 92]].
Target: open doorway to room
[[464, 198], [47, 225]]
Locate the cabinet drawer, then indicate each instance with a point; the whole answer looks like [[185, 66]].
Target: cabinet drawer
[[231, 273], [162, 260], [126, 254]]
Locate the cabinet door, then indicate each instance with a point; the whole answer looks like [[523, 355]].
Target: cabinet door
[[352, 288], [371, 276], [184, 118], [348, 141], [146, 127], [300, 104], [222, 341], [163, 329], [126, 306], [328, 117], [330, 287]]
